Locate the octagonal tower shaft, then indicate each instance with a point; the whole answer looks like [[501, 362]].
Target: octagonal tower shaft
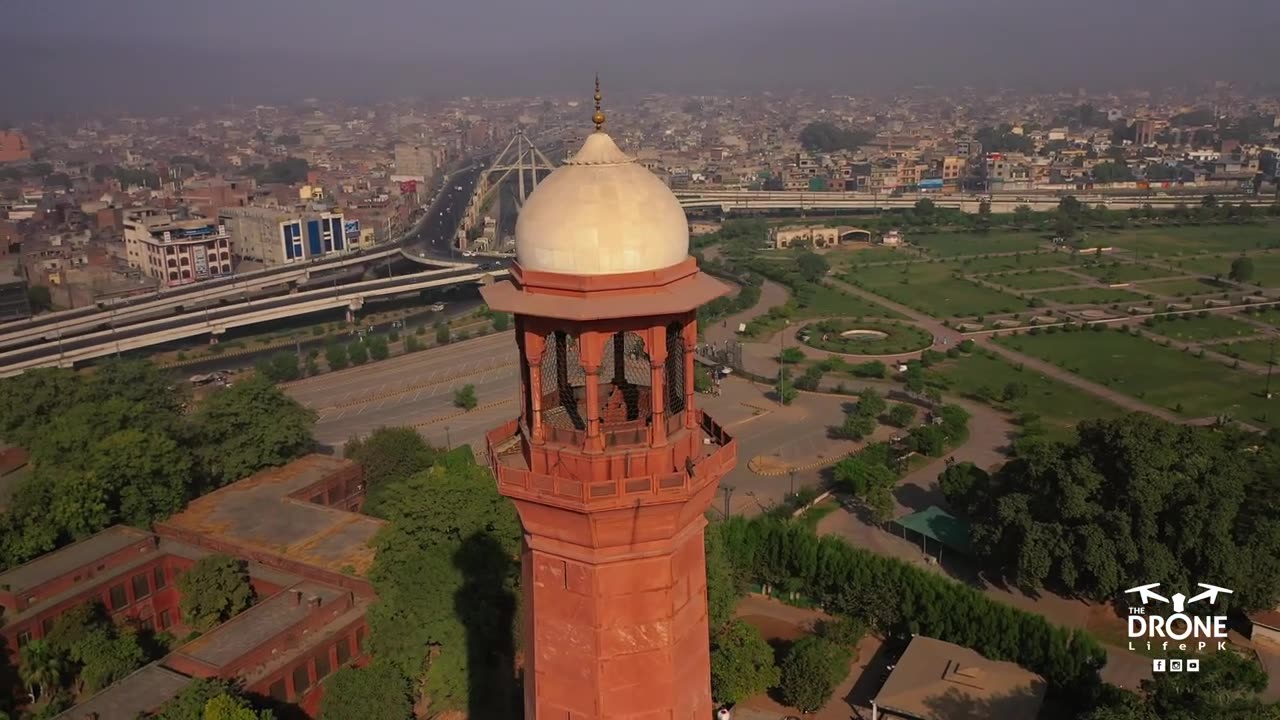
[[611, 467]]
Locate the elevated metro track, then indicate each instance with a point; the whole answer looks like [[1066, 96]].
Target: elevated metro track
[[745, 201], [215, 321]]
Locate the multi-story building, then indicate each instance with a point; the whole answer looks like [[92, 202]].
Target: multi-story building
[[954, 169], [414, 162], [1144, 131], [275, 236], [176, 251], [306, 552], [13, 147]]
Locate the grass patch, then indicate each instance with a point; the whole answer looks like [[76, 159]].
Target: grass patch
[[1018, 261], [931, 288], [811, 517], [862, 254], [1190, 328], [957, 244], [1257, 352], [826, 301], [1188, 240], [1178, 381], [1034, 279], [1060, 406], [895, 338], [1091, 296], [1181, 287], [1118, 272]]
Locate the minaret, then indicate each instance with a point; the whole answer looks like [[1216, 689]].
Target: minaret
[[610, 464]]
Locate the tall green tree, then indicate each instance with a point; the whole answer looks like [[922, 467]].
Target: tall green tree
[[390, 455], [375, 692], [741, 663], [1242, 269], [810, 672], [251, 426], [214, 590], [41, 667]]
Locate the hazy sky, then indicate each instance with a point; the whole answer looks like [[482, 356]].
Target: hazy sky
[[61, 54]]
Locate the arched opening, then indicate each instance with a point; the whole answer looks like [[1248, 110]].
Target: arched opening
[[675, 378], [563, 387], [626, 396]]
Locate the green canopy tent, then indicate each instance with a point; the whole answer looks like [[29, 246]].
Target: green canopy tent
[[934, 523]]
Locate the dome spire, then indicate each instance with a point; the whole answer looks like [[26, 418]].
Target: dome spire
[[598, 116]]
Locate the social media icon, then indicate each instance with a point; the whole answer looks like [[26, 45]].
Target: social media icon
[[1175, 665], [1157, 665], [1193, 665]]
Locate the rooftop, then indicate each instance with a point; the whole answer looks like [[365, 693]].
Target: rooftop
[[70, 558], [935, 680], [246, 631], [143, 691], [257, 514]]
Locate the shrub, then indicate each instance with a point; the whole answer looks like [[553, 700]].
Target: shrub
[[465, 397]]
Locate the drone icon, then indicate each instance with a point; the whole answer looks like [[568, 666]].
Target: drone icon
[[1147, 594]]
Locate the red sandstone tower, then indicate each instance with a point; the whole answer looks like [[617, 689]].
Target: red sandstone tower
[[610, 464]]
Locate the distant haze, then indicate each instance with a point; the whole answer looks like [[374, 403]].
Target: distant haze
[[67, 55]]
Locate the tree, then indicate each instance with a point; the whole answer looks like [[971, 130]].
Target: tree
[[143, 476], [1013, 391], [1112, 172], [449, 524], [785, 388], [378, 348], [1242, 269], [861, 476], [812, 266], [390, 455], [855, 427], [190, 702], [251, 426], [41, 667], [961, 483], [39, 298], [741, 664], [1064, 226], [358, 353], [1023, 215], [442, 334], [845, 632], [231, 707], [1209, 201], [791, 355], [723, 587], [31, 400], [871, 404], [1070, 207], [828, 137], [215, 589], [375, 692], [107, 654], [810, 672], [279, 367], [501, 321], [929, 440], [336, 356], [902, 414], [465, 397]]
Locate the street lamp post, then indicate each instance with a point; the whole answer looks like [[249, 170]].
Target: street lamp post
[[448, 439], [793, 482], [728, 493], [1271, 363]]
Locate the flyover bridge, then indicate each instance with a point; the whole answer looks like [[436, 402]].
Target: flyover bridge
[[730, 201], [128, 310], [215, 321]]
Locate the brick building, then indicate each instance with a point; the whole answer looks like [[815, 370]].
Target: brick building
[[307, 550]]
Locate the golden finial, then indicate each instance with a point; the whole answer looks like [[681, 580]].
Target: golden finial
[[598, 116]]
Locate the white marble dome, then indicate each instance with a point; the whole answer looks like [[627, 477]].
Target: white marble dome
[[601, 213]]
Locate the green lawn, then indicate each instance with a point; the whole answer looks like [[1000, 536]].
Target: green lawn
[[1172, 379], [1190, 328], [1181, 287], [861, 255], [1118, 272], [955, 244], [1269, 314], [1092, 296], [1034, 279], [1019, 261], [1254, 351], [896, 337], [1266, 266], [1188, 240], [930, 288], [1059, 405], [829, 302]]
